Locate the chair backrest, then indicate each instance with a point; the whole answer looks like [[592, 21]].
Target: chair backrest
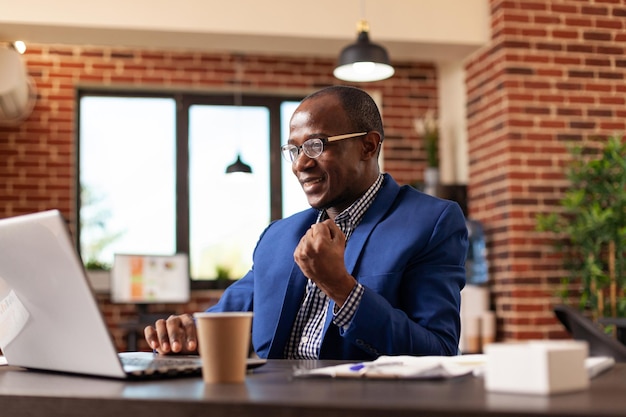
[[582, 328]]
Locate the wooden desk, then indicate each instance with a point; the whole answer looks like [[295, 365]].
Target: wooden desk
[[271, 391]]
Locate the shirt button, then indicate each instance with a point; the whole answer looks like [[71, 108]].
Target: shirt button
[[304, 340]]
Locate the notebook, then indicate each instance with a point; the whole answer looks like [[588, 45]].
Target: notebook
[[49, 317]]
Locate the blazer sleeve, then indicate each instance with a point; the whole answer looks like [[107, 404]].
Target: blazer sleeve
[[411, 303]]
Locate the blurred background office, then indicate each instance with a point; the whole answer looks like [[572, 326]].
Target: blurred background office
[[132, 98]]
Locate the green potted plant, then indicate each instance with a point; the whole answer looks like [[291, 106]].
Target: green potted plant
[[223, 277], [427, 127], [590, 229]]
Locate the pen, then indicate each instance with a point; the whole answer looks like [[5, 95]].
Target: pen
[[363, 367]]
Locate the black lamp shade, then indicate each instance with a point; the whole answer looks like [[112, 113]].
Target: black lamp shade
[[363, 61], [238, 166]]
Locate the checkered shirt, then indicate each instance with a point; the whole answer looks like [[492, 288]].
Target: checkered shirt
[[307, 332]]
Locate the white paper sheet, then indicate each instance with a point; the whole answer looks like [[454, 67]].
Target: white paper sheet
[[401, 367]]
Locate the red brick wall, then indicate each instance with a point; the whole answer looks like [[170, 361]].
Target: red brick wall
[[553, 73], [38, 156], [119, 317]]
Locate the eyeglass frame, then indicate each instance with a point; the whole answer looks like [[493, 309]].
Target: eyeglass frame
[[285, 149]]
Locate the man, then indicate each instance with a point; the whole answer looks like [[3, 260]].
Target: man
[[371, 269]]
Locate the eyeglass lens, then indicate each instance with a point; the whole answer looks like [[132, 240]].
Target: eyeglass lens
[[311, 148]]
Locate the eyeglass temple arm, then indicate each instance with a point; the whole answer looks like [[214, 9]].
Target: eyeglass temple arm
[[346, 136]]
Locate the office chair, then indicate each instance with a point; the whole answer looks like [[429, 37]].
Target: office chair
[[582, 328]]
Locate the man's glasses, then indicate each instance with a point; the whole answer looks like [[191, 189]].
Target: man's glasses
[[312, 147]]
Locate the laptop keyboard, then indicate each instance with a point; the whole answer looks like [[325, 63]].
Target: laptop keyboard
[[161, 365], [142, 364]]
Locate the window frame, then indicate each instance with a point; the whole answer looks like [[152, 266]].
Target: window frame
[[184, 100]]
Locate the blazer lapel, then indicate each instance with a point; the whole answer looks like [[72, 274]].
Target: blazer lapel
[[381, 205], [383, 201], [291, 294], [292, 301]]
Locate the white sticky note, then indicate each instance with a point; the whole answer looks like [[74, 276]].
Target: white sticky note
[[13, 318]]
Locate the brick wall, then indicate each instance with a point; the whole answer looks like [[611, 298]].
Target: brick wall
[[554, 73], [121, 318], [38, 156]]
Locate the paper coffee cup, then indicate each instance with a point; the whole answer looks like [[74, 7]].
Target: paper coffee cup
[[223, 344], [471, 331]]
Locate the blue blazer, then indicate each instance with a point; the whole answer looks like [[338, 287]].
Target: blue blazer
[[409, 254]]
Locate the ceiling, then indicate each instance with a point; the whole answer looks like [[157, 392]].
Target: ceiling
[[411, 30]]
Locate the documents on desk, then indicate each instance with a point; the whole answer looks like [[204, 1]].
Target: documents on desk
[[534, 372], [401, 367]]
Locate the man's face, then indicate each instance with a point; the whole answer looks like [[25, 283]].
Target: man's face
[[336, 178]]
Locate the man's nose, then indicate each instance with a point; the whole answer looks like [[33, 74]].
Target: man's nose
[[302, 161]]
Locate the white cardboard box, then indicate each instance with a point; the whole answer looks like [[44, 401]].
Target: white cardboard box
[[536, 367]]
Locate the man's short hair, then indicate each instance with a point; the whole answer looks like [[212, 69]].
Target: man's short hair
[[359, 106]]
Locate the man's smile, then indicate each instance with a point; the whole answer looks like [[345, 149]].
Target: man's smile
[[311, 181]]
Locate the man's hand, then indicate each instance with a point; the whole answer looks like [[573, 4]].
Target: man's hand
[[177, 334], [320, 257]]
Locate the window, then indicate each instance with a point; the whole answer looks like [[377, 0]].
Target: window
[[152, 177], [127, 176], [227, 212]]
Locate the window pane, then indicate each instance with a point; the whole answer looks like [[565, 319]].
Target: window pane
[[127, 176], [294, 199], [228, 212]]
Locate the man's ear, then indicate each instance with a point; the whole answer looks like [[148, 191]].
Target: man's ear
[[371, 142]]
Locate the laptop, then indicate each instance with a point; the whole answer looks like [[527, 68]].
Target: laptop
[[49, 317]]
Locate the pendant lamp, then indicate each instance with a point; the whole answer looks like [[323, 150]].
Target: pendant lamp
[[363, 61], [238, 165], [19, 46]]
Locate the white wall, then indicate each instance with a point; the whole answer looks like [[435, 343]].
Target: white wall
[[454, 162]]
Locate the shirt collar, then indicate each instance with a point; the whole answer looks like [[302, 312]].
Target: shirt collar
[[353, 215]]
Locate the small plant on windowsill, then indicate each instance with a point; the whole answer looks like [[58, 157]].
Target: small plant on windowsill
[[427, 127], [96, 265], [223, 278], [99, 274], [94, 217]]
